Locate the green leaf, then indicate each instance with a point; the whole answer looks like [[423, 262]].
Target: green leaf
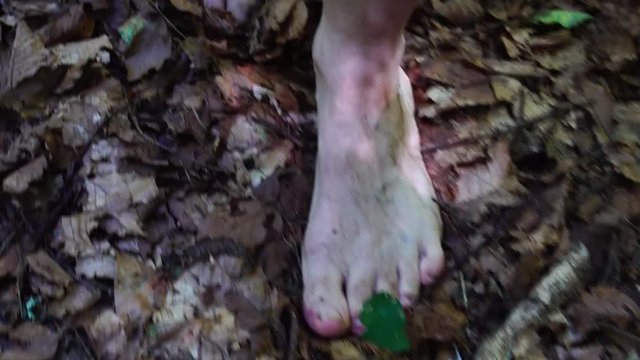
[[566, 18], [384, 319], [131, 28]]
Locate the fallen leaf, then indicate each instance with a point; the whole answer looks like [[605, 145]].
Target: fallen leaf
[[18, 181], [79, 298], [566, 18], [96, 266], [108, 335], [440, 321], [43, 265], [116, 192], [149, 50], [459, 11], [344, 350], [72, 25], [247, 227], [608, 303], [9, 262], [30, 341], [571, 56], [73, 234], [133, 292]]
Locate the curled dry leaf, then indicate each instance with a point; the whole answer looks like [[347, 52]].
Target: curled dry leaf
[[18, 181], [30, 341], [96, 266], [459, 11]]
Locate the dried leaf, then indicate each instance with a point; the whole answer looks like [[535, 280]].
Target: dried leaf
[[133, 292], [96, 266], [73, 25], [459, 11], [43, 265], [30, 341], [149, 50], [79, 298], [247, 227], [108, 335], [73, 234], [18, 181]]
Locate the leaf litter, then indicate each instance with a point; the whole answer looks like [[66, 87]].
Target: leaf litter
[[157, 168]]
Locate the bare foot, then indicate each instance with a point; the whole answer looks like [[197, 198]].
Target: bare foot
[[373, 225]]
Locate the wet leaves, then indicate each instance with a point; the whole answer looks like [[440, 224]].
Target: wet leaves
[[159, 177]]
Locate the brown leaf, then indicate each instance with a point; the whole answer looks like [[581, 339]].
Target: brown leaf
[[609, 303], [453, 73], [9, 262], [149, 50], [27, 55], [30, 341], [96, 266], [44, 266], [18, 181], [278, 21], [108, 335], [571, 56], [246, 227], [79, 298], [73, 233], [72, 25], [133, 292], [439, 321], [459, 11]]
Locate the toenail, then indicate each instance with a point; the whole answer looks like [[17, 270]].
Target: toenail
[[407, 300]]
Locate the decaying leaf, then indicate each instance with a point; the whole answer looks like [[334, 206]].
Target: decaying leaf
[[133, 292], [30, 341], [96, 266], [79, 298], [108, 335], [459, 11], [149, 50], [43, 265], [73, 233], [246, 227], [18, 181]]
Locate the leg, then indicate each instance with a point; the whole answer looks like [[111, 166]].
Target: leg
[[373, 225]]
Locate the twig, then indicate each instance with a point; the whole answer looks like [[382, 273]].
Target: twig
[[564, 279], [166, 19], [293, 336]]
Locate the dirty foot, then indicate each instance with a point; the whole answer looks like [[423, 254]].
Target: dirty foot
[[373, 225]]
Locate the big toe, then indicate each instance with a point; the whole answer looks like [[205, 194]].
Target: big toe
[[431, 263], [325, 306]]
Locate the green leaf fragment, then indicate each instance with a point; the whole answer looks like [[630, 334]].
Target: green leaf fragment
[[131, 28], [566, 18], [384, 319]]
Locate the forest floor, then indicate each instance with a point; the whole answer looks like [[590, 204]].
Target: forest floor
[[158, 158]]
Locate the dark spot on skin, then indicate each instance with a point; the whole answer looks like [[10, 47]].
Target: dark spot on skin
[[334, 231]]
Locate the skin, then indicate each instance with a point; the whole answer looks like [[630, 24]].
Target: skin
[[373, 224]]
